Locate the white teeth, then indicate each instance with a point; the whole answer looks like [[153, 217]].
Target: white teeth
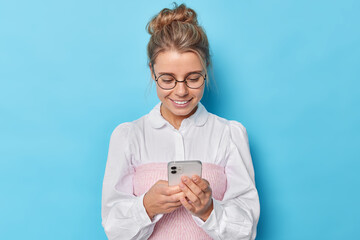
[[182, 102]]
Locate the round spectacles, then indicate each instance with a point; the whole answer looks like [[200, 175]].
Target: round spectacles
[[167, 81]]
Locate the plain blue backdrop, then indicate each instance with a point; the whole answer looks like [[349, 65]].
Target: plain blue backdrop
[[71, 71]]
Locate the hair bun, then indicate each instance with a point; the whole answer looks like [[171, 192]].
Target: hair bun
[[167, 16]]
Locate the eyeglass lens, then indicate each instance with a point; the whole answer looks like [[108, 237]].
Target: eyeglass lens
[[194, 80]]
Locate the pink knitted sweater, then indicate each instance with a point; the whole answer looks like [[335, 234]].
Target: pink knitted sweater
[[178, 224]]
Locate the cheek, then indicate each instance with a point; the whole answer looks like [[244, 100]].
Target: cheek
[[199, 94], [161, 93]]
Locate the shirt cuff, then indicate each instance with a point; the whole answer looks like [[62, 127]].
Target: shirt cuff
[[211, 222], [142, 218]]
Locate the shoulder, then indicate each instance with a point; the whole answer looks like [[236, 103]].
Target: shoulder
[[237, 129], [121, 131], [233, 127], [229, 131], [130, 129]]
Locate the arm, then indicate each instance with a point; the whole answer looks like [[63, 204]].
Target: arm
[[123, 214], [237, 215]]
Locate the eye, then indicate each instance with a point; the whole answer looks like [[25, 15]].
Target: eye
[[194, 77], [166, 79]]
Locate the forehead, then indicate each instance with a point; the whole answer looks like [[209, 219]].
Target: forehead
[[177, 63]]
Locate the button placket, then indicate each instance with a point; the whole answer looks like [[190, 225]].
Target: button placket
[[179, 147]]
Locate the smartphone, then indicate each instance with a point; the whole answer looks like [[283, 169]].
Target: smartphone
[[177, 169]]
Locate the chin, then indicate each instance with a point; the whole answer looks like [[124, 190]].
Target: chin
[[183, 112]]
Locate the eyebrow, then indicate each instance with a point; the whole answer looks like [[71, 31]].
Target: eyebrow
[[170, 73]]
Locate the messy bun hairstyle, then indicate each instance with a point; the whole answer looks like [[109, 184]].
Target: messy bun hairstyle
[[177, 29]]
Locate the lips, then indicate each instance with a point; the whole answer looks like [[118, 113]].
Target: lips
[[181, 102]]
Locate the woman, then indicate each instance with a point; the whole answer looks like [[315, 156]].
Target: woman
[[137, 201]]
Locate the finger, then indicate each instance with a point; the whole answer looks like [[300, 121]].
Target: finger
[[174, 204], [162, 182], [169, 210], [195, 178], [175, 197], [203, 184], [178, 196], [190, 195], [192, 186], [168, 191], [187, 205], [165, 188]]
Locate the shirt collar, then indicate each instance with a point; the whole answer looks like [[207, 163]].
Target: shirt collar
[[199, 118]]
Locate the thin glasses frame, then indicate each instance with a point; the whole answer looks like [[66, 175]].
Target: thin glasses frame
[[176, 81]]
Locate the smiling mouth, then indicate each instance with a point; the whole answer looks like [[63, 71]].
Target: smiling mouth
[[181, 102]]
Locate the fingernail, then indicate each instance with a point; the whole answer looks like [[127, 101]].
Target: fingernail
[[194, 179], [185, 179]]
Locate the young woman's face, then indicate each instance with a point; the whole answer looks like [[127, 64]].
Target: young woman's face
[[181, 101]]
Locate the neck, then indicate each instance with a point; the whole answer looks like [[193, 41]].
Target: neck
[[174, 120]]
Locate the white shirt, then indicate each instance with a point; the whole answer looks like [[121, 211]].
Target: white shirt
[[202, 136]]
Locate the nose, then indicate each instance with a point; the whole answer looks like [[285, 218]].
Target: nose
[[181, 89]]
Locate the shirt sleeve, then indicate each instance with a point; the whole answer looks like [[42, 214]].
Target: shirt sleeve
[[123, 214], [237, 215]]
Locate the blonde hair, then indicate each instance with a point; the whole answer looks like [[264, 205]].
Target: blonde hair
[[177, 29]]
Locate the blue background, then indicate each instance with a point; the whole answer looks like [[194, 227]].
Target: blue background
[[71, 71]]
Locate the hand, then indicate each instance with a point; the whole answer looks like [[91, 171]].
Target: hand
[[199, 196], [162, 199]]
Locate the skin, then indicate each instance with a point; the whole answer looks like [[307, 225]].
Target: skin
[[194, 194], [179, 65], [198, 196]]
